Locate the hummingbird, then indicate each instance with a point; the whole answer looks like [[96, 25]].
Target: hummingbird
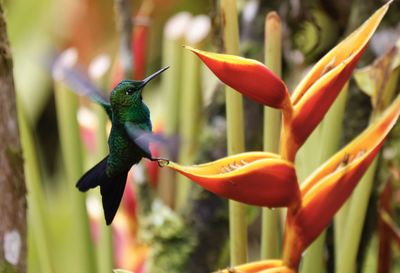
[[127, 143]]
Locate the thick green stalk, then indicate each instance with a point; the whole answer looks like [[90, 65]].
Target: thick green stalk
[[105, 249], [270, 229], [359, 200], [339, 229], [173, 40], [37, 210], [105, 252], [329, 140], [66, 107], [189, 121], [172, 85], [357, 211], [235, 133], [191, 102]]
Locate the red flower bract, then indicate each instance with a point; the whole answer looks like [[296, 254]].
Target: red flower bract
[[256, 178]]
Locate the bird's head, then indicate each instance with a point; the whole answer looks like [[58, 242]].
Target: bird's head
[[128, 93]]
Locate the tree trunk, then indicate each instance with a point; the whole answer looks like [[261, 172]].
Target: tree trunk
[[12, 183]]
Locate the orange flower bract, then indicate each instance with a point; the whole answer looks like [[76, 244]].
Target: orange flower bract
[[325, 191], [255, 178], [249, 77], [266, 179], [314, 95]]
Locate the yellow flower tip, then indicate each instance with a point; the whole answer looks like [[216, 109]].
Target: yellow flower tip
[[190, 48], [315, 94], [256, 178], [256, 267]]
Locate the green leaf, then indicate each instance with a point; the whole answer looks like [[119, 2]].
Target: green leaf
[[379, 79]]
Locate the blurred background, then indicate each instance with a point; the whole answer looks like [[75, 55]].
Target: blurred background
[[165, 223]]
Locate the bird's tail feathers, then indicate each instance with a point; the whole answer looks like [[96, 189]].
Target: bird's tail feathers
[[111, 188]]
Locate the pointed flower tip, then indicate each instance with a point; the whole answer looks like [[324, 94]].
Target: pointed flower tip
[[249, 77], [264, 266], [325, 191], [315, 94], [255, 178]]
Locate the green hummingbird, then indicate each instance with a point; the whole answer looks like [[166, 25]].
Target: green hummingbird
[[130, 119]]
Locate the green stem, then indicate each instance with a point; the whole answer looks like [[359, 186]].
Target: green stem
[[359, 200], [189, 121], [37, 210], [357, 211], [270, 229], [329, 140], [339, 229], [235, 133], [191, 102], [172, 86], [105, 251], [66, 107], [172, 56]]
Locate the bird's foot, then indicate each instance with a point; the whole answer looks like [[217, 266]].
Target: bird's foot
[[162, 162]]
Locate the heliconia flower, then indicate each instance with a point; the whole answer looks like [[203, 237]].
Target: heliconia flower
[[313, 96], [265, 266], [249, 77], [325, 190], [255, 178]]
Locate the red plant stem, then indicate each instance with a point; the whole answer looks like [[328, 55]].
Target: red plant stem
[[392, 229], [385, 253]]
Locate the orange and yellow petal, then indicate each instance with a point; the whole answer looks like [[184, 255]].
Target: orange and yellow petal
[[315, 94], [249, 77], [255, 267], [345, 51], [255, 178], [279, 269], [325, 191]]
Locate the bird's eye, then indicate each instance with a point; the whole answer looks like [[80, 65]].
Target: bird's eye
[[129, 91]]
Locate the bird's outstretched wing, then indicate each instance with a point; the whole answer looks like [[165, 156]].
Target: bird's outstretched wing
[[143, 138], [80, 84]]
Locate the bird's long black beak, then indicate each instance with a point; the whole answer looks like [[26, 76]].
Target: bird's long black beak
[[152, 76]]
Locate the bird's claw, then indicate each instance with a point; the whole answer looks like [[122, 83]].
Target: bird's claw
[[162, 162]]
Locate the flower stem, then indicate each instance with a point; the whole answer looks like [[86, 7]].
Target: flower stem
[[174, 31], [105, 250], [235, 133], [270, 231], [37, 211], [191, 102], [329, 140], [66, 108], [359, 200]]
